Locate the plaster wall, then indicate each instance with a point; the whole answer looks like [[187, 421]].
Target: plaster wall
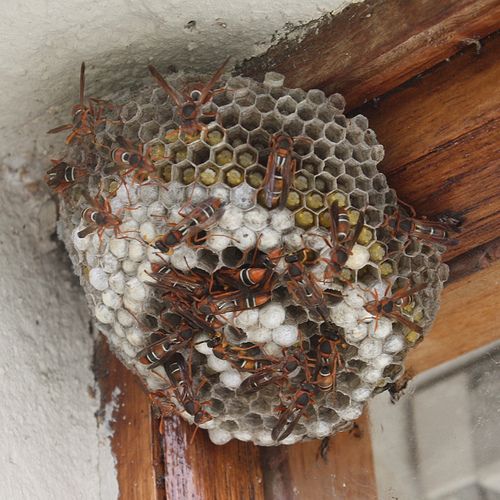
[[51, 444]]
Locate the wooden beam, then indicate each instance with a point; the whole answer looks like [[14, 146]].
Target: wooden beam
[[135, 431], [441, 134], [298, 471], [374, 46], [206, 471], [468, 319]]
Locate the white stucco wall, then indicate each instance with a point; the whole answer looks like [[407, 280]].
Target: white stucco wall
[[51, 446]]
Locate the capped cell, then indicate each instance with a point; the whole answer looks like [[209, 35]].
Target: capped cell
[[255, 176], [305, 219], [233, 175]]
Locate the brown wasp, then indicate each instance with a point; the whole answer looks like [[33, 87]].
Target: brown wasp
[[342, 239], [232, 301], [199, 218], [180, 378], [85, 118], [280, 171], [62, 176], [398, 225], [99, 217], [189, 104], [290, 416], [389, 306], [327, 362], [243, 278]]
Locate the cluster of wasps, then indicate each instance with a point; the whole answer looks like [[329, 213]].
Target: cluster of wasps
[[196, 301]]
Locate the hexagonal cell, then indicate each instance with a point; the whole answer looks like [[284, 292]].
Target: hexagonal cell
[[315, 201], [147, 112], [233, 175], [131, 131], [370, 138], [130, 112], [363, 183], [159, 97], [341, 198], [324, 219], [365, 236], [343, 150], [244, 97], [314, 129], [322, 149], [312, 165], [286, 105], [377, 251], [245, 156], [296, 314], [255, 176], [334, 167], [223, 98], [324, 183], [184, 173], [209, 174], [354, 135], [316, 96], [236, 136], [306, 111], [373, 217], [360, 121], [265, 103], [232, 257], [271, 123], [309, 329], [334, 133], [222, 155], [361, 153], [178, 153], [250, 119], [198, 153], [156, 150], [277, 92], [359, 199], [369, 168], [163, 114], [166, 172], [293, 126], [305, 219], [370, 275], [294, 200], [213, 135], [387, 268], [259, 139], [229, 116], [345, 183], [340, 120], [169, 132], [303, 181], [413, 248], [376, 199], [380, 182]]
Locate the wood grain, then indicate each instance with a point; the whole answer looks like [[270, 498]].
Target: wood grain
[[135, 432], [441, 134], [206, 471], [372, 47], [469, 318], [348, 473]]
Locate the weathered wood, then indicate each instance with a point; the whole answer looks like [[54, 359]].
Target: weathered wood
[[298, 471], [135, 438], [442, 139], [468, 319], [205, 471], [372, 47]]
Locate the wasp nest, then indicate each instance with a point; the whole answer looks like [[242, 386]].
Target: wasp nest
[[304, 337]]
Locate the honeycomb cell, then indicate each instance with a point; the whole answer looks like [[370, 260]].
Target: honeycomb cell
[[334, 133], [178, 153], [316, 96], [213, 136], [334, 167], [326, 112], [130, 112], [147, 113], [185, 173], [244, 97], [223, 98], [303, 181], [324, 183], [369, 169], [198, 154], [324, 219], [305, 219], [346, 183], [277, 92], [365, 236], [298, 95], [265, 103], [339, 197], [314, 130], [322, 149], [360, 121], [355, 135], [343, 151], [286, 105], [371, 138], [271, 123], [259, 139], [353, 168], [228, 116], [231, 256], [313, 165], [255, 176], [315, 201], [234, 176], [293, 126], [166, 172], [359, 199], [245, 156], [250, 119], [380, 182], [340, 120], [361, 153], [337, 101], [209, 174], [223, 155], [373, 217], [170, 133], [362, 183], [305, 111], [370, 274], [156, 150], [294, 200], [236, 136]]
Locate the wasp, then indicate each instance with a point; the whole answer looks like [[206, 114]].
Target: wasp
[[157, 352], [237, 300], [280, 171], [85, 118], [62, 176], [99, 217], [275, 373], [390, 306], [178, 374], [200, 217], [290, 416], [248, 277], [189, 104], [398, 225], [327, 362], [342, 239], [131, 159]]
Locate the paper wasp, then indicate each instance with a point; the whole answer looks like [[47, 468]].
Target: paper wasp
[[62, 176]]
